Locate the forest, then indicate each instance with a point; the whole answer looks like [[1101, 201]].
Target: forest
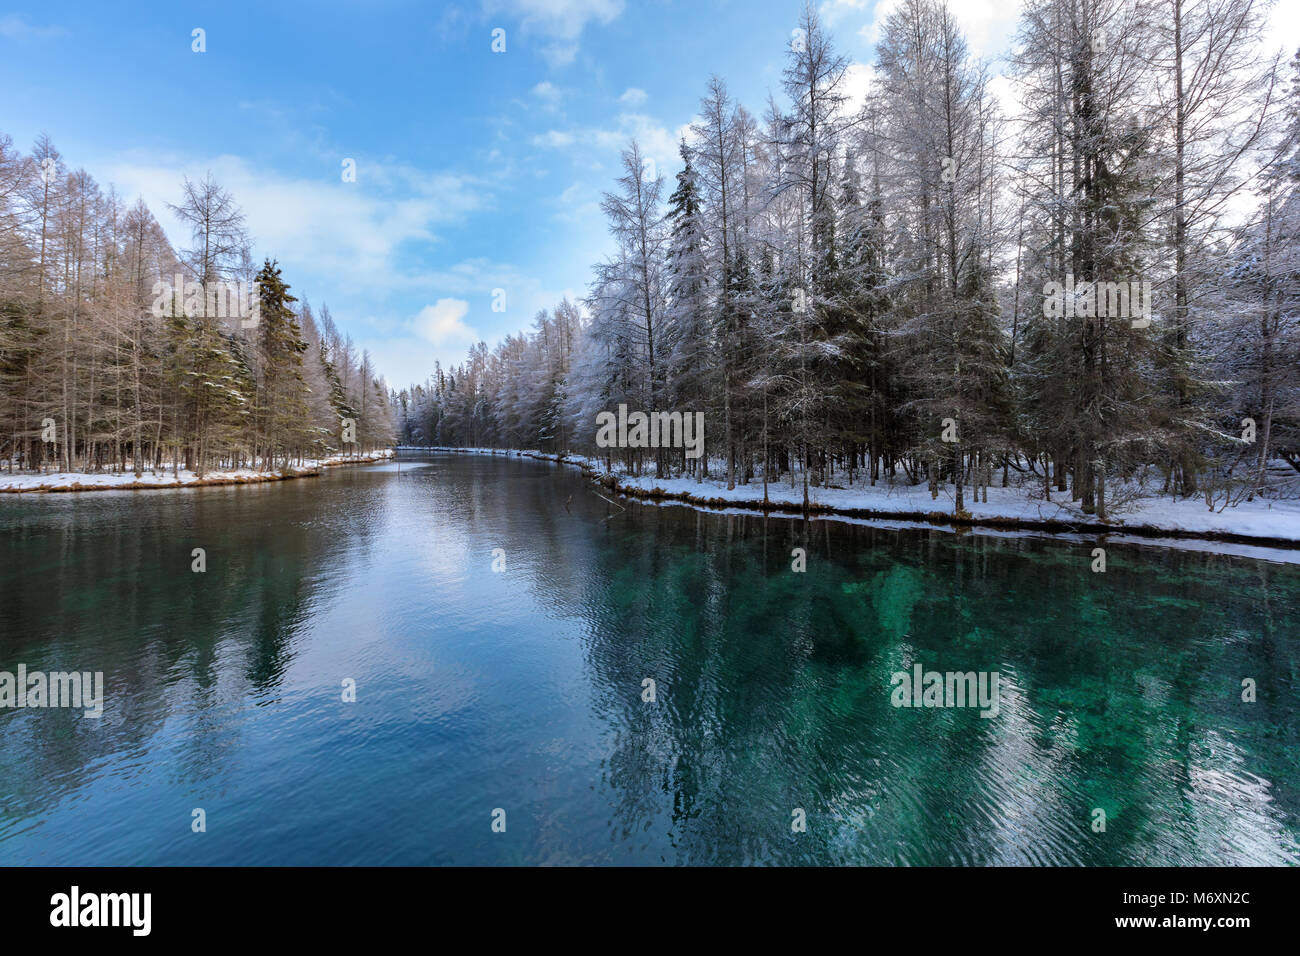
[[931, 283], [106, 365]]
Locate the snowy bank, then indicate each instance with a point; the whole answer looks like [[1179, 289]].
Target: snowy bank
[[1274, 522], [113, 481]]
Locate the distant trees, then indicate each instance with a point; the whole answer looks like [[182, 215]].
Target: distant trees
[[1098, 291], [104, 365]]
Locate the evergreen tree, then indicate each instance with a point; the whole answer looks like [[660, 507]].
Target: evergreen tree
[[281, 409]]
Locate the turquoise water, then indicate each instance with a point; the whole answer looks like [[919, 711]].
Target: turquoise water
[[521, 690]]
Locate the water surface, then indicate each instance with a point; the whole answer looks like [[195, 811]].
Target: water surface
[[522, 689]]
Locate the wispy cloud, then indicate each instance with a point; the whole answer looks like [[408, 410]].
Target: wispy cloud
[[550, 94], [351, 231], [15, 26], [554, 139], [656, 141], [579, 203], [558, 22]]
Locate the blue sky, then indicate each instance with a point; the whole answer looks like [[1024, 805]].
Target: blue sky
[[475, 170]]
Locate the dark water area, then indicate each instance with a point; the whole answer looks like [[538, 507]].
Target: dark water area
[[521, 689]]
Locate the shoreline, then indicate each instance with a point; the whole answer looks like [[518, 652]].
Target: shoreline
[[1055, 526], [128, 482]]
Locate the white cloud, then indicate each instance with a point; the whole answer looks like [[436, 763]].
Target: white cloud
[[684, 131], [443, 332], [18, 27], [438, 333], [656, 141], [548, 93], [1007, 93], [858, 79], [443, 323], [351, 231], [988, 25], [834, 12], [633, 96], [553, 139], [560, 22], [580, 204], [1282, 29]]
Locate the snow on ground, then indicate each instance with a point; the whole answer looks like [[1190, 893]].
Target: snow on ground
[[107, 480], [1258, 519], [1262, 518]]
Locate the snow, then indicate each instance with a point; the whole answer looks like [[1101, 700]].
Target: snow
[[1017, 505], [105, 480]]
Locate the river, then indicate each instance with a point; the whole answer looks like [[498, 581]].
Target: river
[[516, 694]]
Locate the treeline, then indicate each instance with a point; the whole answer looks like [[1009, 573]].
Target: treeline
[[925, 288], [119, 353]]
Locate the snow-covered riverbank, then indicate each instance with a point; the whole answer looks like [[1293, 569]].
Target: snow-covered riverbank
[[1275, 522], [164, 478]]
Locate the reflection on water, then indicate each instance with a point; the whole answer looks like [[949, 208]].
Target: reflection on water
[[523, 689]]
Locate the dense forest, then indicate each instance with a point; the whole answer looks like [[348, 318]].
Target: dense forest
[[1087, 287], [119, 353]]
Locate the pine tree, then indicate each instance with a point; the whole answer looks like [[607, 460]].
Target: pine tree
[[280, 413]]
